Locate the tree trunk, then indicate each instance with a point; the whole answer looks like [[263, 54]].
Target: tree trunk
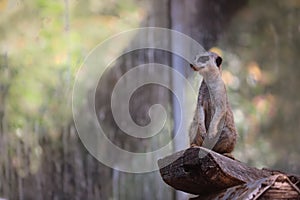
[[202, 20]]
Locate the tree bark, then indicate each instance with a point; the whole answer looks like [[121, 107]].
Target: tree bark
[[189, 172], [210, 175]]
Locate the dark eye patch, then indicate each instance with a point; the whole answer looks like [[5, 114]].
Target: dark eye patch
[[219, 61], [202, 59]]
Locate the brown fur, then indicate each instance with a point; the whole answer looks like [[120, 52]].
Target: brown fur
[[213, 116]]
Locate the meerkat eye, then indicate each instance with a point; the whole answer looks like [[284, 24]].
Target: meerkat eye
[[218, 61], [202, 59]]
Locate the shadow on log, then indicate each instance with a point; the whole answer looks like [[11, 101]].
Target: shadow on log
[[212, 176]]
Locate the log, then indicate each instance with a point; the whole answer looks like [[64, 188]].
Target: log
[[274, 187], [193, 173]]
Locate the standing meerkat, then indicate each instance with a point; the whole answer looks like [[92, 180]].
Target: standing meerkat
[[213, 123]]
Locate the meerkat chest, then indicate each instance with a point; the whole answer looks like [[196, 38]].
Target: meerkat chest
[[212, 99], [217, 94]]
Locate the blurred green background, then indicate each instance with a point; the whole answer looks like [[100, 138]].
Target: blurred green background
[[43, 43]]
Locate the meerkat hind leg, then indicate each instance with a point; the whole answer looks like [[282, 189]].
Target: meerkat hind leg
[[226, 142]]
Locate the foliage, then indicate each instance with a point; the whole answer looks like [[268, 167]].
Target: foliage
[[42, 44], [262, 46]]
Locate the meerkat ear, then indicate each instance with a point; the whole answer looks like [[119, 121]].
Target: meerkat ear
[[219, 61]]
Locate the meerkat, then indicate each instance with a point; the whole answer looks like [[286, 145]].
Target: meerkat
[[213, 119]]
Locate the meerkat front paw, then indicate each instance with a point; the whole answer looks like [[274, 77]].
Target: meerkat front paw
[[212, 133], [211, 139]]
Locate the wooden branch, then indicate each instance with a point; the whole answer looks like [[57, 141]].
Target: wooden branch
[[191, 173], [274, 187]]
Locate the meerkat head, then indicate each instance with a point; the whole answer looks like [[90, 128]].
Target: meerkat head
[[207, 62]]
